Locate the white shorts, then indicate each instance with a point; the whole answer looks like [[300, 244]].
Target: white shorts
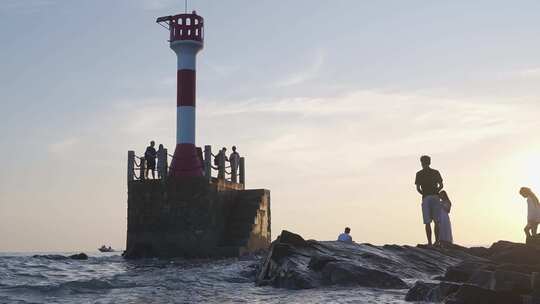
[[431, 209]]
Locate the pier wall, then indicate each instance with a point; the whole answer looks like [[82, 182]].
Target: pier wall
[[190, 217]]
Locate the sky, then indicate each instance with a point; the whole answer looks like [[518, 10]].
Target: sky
[[331, 104]]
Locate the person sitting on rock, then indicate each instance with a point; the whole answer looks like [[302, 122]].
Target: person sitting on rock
[[345, 236], [533, 211]]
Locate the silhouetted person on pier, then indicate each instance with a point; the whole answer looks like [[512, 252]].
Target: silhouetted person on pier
[[150, 157], [429, 183], [234, 159], [219, 161], [533, 211], [162, 161], [345, 236]]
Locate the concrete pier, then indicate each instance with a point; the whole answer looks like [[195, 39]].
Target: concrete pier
[[192, 217]]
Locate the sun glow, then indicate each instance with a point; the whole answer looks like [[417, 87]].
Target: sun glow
[[528, 169]]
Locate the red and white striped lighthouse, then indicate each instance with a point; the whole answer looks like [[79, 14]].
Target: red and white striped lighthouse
[[186, 40]]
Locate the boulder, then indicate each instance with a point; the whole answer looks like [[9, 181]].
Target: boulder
[[295, 263], [430, 292], [517, 255], [346, 273], [512, 281], [295, 279], [470, 294], [483, 278], [79, 256], [533, 241], [294, 239], [521, 268], [317, 262], [502, 246], [535, 282], [463, 271], [479, 251]]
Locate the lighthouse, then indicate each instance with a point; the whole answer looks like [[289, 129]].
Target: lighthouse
[[186, 40], [188, 213]]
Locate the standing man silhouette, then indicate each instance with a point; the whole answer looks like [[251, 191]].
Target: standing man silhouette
[[150, 156], [428, 184], [234, 159]]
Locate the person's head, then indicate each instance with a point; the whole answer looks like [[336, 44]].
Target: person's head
[[160, 147], [444, 196], [347, 230], [152, 143], [234, 148], [525, 192], [425, 161]]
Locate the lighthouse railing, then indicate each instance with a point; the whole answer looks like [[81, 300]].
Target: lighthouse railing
[[223, 171]]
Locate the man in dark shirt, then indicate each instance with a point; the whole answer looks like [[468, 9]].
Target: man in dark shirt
[[428, 184], [150, 157]]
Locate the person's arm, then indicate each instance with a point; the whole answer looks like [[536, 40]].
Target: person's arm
[[417, 183], [439, 183]]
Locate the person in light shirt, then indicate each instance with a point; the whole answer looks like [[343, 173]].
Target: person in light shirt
[[345, 236], [533, 211]]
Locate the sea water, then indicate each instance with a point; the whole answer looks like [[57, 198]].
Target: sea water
[[108, 278]]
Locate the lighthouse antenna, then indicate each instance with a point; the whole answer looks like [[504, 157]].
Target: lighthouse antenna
[[185, 6]]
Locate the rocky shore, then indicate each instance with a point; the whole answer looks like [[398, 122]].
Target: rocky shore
[[506, 272]]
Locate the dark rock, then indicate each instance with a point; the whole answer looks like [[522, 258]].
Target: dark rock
[[430, 292], [463, 271], [531, 299], [521, 268], [421, 291], [535, 282], [79, 256], [517, 255], [512, 281], [479, 251], [292, 239], [502, 246], [533, 241], [280, 251], [470, 294], [482, 278], [345, 273], [318, 262], [295, 279], [295, 263]]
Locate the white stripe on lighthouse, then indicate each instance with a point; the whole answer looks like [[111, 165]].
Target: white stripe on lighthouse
[[186, 52], [187, 61], [185, 126]]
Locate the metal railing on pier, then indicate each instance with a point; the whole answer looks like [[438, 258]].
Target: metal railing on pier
[[214, 166]]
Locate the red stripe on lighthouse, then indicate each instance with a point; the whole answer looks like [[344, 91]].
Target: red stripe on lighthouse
[[185, 92]]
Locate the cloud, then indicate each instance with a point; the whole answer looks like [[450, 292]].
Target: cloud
[[526, 73], [309, 73], [373, 123], [63, 147], [529, 73], [25, 6], [221, 69], [159, 4]]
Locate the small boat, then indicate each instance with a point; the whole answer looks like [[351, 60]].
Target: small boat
[[104, 248]]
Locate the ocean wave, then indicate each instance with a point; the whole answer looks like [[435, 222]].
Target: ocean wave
[[82, 286]]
